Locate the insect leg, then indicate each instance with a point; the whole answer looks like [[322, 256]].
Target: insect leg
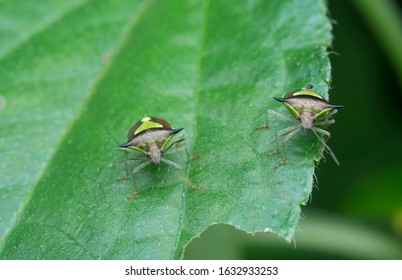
[[171, 163], [192, 185], [270, 112], [279, 134], [138, 168], [180, 146], [323, 132], [279, 115], [326, 147], [177, 146], [289, 133], [136, 188], [125, 176], [142, 165], [325, 122]]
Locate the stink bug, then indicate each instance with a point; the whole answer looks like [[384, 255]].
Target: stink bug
[[310, 111], [150, 136]]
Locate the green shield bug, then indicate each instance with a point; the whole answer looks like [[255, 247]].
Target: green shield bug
[[310, 111], [151, 137]]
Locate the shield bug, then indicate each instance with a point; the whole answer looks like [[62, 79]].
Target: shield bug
[[151, 137], [310, 111]]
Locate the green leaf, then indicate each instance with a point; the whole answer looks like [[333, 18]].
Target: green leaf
[[73, 88]]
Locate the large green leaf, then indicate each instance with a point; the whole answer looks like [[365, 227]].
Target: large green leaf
[[75, 86]]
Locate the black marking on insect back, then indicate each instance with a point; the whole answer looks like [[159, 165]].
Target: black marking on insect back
[[177, 130]]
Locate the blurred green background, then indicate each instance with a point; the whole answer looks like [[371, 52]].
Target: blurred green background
[[357, 206]]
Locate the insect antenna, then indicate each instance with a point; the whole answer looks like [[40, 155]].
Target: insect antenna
[[171, 163]]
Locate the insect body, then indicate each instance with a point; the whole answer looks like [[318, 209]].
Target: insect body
[[310, 111], [151, 137]]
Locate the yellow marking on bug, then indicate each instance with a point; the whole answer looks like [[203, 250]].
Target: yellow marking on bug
[[146, 123], [145, 119], [308, 92]]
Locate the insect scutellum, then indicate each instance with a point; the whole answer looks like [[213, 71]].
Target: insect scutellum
[[310, 111], [152, 137]]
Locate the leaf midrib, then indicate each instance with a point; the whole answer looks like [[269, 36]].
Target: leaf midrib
[[177, 250]]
